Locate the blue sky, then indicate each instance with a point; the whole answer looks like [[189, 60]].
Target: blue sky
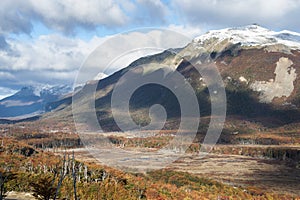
[[46, 41]]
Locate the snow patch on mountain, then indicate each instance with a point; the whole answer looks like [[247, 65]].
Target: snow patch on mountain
[[57, 90], [252, 35], [100, 76]]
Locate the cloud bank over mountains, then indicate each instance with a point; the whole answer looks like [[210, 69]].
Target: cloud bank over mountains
[[71, 30]]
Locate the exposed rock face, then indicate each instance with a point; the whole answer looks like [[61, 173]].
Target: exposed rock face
[[282, 86]]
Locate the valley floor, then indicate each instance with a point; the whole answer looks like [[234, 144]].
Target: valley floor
[[265, 174], [237, 170]]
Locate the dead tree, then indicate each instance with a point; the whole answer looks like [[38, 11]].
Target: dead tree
[[63, 174], [74, 176], [85, 173]]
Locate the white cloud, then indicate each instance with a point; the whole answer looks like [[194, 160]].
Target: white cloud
[[14, 17], [218, 13], [120, 51], [17, 16], [153, 11], [6, 76], [5, 92], [128, 5], [48, 59], [47, 52], [188, 30], [56, 59], [66, 15]]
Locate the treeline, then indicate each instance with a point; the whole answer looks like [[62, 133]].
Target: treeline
[[47, 177], [288, 154]]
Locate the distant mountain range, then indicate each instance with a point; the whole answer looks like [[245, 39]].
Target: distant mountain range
[[259, 67], [31, 101]]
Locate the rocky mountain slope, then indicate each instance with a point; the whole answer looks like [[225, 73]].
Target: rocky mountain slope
[[259, 67]]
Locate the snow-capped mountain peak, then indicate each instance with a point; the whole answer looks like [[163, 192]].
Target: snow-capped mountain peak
[[32, 100], [251, 35], [40, 90]]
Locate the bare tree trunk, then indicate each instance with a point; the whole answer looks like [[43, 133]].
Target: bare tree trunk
[[55, 172], [85, 173], [1, 186], [2, 182], [79, 171], [74, 176], [62, 176]]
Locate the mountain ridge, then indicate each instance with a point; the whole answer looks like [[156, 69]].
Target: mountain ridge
[[31, 100], [252, 35], [240, 67]]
